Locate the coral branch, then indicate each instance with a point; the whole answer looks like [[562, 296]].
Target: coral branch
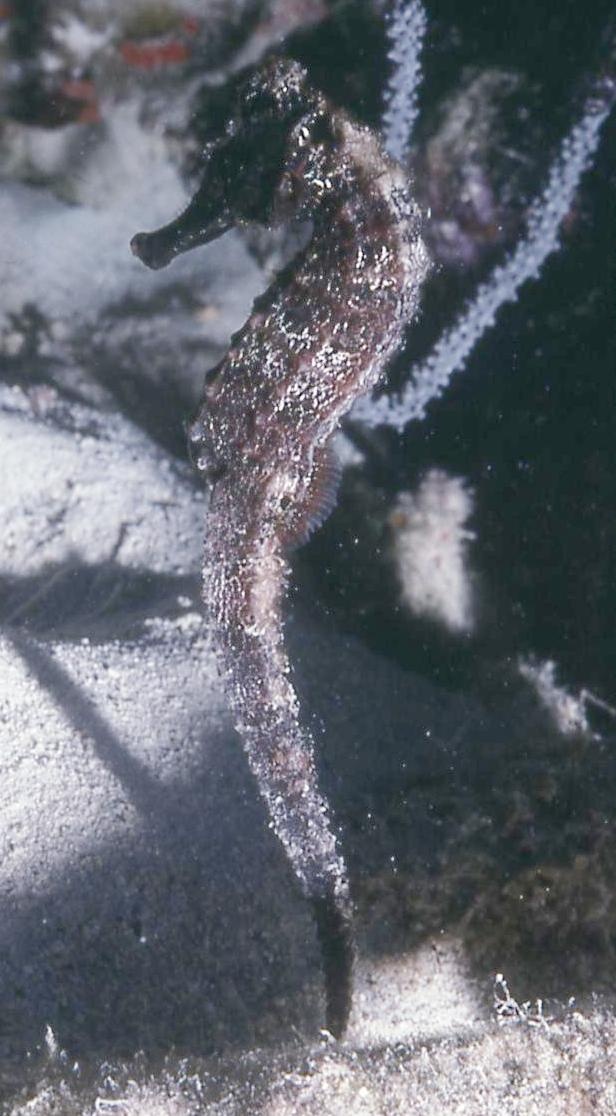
[[430, 377], [406, 29]]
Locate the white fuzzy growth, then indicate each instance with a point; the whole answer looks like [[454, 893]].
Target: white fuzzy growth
[[80, 40], [406, 30], [429, 378], [568, 711], [430, 546]]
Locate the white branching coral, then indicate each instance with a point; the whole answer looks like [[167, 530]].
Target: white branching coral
[[508, 1010], [406, 30], [429, 378], [568, 711], [430, 549]]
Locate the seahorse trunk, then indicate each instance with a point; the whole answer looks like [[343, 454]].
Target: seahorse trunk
[[245, 575], [320, 336]]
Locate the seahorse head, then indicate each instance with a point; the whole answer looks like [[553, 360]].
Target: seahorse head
[[243, 167]]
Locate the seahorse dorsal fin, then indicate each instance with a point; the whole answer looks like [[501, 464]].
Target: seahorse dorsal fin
[[321, 496]]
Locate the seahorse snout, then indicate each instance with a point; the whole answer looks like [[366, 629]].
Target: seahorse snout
[[147, 248]]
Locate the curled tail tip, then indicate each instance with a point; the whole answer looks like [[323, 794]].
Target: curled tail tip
[[333, 917]]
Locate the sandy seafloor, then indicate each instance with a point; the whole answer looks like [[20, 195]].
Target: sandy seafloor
[[156, 955]]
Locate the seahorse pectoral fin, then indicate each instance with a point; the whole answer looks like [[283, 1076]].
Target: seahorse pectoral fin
[[321, 496]]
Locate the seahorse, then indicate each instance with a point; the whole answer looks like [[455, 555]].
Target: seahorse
[[319, 337]]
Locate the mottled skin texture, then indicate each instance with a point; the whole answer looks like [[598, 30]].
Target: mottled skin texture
[[320, 336]]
